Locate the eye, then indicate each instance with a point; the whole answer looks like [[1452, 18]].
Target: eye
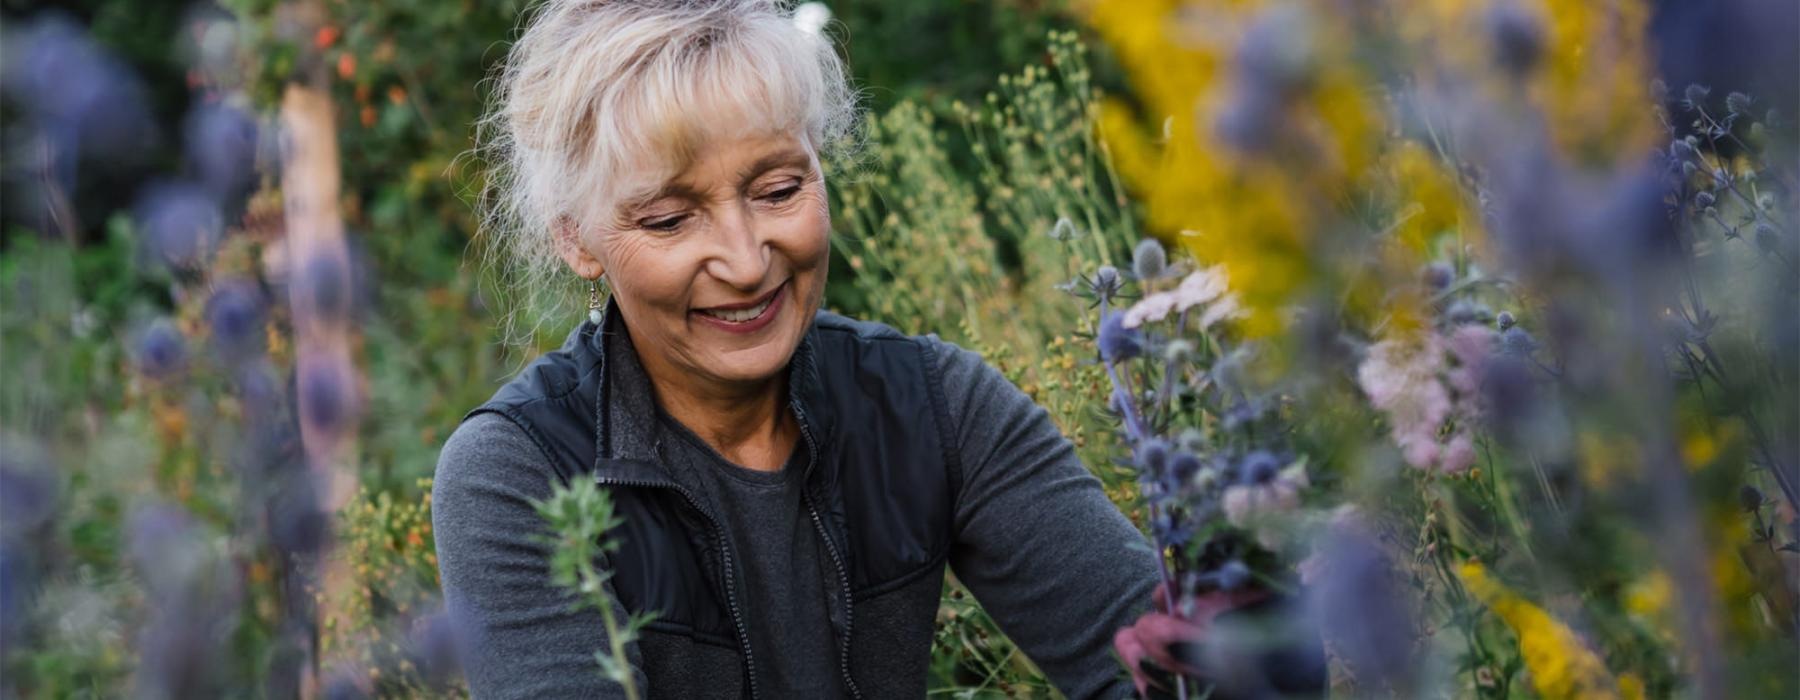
[[783, 194], [665, 224]]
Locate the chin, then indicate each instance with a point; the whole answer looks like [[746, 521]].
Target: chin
[[753, 364]]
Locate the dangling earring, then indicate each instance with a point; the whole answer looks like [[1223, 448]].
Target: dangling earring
[[594, 299]]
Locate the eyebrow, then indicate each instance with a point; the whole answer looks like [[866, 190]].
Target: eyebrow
[[790, 158]]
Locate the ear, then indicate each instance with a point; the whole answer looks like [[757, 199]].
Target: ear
[[569, 246]]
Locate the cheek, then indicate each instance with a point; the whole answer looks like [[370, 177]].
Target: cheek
[[809, 234], [644, 273]]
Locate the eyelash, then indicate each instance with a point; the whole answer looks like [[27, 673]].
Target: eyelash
[[670, 224]]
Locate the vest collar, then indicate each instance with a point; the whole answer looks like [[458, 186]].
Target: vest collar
[[626, 434]]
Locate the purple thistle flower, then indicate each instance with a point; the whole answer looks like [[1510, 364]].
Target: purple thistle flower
[[1361, 604], [1231, 576], [435, 648], [236, 314], [1439, 275], [323, 286], [298, 524], [28, 486], [85, 100], [161, 350], [1118, 343], [221, 142], [1259, 467], [180, 224], [1518, 38], [326, 397]]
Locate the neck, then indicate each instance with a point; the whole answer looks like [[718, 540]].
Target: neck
[[748, 424]]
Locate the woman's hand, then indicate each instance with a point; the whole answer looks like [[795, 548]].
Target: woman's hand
[[1169, 641]]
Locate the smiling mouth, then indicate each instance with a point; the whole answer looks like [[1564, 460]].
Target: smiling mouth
[[744, 314]]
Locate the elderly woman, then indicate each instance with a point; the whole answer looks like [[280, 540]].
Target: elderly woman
[[793, 483]]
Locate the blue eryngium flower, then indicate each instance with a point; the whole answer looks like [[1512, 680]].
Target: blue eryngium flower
[[179, 223], [1118, 343], [235, 313], [1152, 455], [161, 350], [325, 397]]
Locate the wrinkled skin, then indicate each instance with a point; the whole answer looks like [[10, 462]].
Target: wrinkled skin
[[747, 216]]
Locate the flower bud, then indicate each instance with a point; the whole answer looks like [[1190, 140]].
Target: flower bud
[[1178, 351], [1191, 440], [1767, 239], [1695, 95], [1738, 103], [1232, 576], [1439, 275], [1149, 260], [1152, 455]]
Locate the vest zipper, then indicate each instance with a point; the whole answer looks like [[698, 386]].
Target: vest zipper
[[737, 618], [812, 458]]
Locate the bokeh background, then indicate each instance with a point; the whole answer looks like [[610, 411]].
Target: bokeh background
[[241, 309]]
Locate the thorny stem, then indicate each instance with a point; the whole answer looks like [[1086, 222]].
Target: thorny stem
[[1165, 407], [1782, 478], [1135, 432], [591, 581]]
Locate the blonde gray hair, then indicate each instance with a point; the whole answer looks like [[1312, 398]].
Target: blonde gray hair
[[593, 87]]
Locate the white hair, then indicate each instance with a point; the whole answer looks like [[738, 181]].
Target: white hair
[[593, 89]]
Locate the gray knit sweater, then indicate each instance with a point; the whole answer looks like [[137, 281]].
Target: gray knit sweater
[[1041, 546]]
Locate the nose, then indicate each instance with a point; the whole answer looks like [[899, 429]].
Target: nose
[[741, 255]]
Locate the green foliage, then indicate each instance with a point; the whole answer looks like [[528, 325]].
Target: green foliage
[[948, 229], [582, 519]]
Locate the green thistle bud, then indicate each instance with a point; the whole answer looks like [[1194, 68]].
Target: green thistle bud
[[1149, 260]]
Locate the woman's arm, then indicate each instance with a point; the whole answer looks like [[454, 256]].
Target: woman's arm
[[1039, 543], [523, 639]]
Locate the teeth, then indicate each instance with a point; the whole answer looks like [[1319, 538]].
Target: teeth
[[739, 315]]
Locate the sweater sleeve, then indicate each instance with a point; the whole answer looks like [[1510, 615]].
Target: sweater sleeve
[[522, 636], [1038, 542]]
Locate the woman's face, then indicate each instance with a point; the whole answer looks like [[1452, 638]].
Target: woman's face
[[719, 272]]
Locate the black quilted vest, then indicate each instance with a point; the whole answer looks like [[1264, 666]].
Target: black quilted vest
[[879, 486]]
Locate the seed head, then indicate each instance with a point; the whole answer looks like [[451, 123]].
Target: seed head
[[1695, 96], [1738, 103], [1149, 260], [1178, 351]]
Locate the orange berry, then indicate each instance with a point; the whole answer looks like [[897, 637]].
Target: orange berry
[[346, 65]]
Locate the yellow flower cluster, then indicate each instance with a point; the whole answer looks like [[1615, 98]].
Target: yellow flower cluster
[[1561, 665], [1266, 219], [1220, 208]]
